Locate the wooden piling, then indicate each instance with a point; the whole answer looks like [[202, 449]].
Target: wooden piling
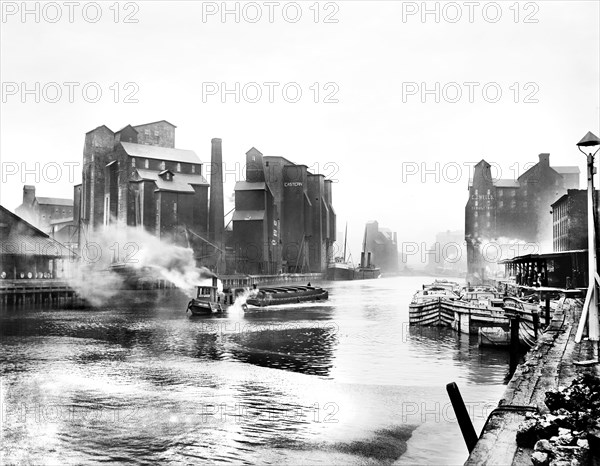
[[462, 416]]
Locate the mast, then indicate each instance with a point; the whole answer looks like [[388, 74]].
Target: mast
[[345, 239]]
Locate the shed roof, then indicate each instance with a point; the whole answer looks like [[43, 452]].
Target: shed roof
[[181, 182], [54, 201], [567, 169], [160, 153], [250, 186], [248, 215]]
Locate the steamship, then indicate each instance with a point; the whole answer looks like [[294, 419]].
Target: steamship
[[343, 270]]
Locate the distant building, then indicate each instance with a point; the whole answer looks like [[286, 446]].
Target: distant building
[[448, 255], [382, 243], [284, 219], [26, 252], [136, 177], [42, 212], [569, 220], [504, 210]]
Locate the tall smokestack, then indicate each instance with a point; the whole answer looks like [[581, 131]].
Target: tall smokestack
[[362, 259], [369, 259], [216, 212]]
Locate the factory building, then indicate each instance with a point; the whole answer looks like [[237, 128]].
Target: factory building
[[43, 212], [136, 177], [569, 220], [284, 221], [502, 212], [382, 244]]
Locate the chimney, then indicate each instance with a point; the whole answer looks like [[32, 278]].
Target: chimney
[[545, 160], [369, 259], [28, 195], [216, 214], [214, 281]]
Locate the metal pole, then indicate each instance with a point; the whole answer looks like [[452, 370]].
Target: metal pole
[[593, 324]]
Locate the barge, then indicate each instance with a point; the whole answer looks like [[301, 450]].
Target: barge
[[274, 296]]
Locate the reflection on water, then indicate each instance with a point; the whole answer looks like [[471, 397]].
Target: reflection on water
[[347, 381]]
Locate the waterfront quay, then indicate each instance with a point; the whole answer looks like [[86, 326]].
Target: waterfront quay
[[555, 361], [43, 292]]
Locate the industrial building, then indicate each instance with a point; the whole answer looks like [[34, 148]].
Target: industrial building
[[505, 210], [136, 177], [27, 252], [42, 212], [382, 246], [569, 220], [284, 221]]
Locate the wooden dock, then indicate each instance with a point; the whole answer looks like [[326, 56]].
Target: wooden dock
[[42, 292], [548, 365]]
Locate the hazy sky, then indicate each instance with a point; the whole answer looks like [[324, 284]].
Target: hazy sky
[[370, 141]]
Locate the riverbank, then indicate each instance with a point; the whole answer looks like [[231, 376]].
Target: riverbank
[[555, 361]]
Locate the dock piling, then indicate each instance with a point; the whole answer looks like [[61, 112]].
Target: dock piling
[[462, 416]]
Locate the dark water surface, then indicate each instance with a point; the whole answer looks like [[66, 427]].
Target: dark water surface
[[141, 382]]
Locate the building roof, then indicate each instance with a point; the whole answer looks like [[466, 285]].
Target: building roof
[[160, 153], [567, 169], [250, 186], [98, 127], [507, 183], [248, 215], [181, 182], [25, 239], [153, 122], [59, 221], [501, 183], [54, 201]]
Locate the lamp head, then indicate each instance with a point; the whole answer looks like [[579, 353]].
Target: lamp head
[[589, 140]]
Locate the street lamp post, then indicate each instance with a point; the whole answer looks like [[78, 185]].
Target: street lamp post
[[590, 307]]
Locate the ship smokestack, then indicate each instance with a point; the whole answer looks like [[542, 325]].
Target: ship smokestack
[[369, 260], [362, 259], [216, 212]]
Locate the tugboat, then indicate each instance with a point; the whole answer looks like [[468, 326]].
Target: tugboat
[[274, 296], [210, 301]]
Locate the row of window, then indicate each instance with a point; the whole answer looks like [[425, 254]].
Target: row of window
[[162, 165]]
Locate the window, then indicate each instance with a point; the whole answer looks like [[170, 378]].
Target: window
[[133, 162], [500, 203], [162, 165], [156, 133], [476, 224], [174, 208], [488, 224], [146, 163], [178, 167], [500, 192], [525, 204], [487, 213], [513, 204], [513, 192], [193, 168], [147, 132], [476, 214]]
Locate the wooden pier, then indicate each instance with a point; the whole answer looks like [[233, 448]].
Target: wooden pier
[[551, 363], [37, 292]]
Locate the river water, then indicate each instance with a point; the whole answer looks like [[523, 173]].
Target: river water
[[341, 382]]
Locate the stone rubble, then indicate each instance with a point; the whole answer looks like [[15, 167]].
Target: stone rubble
[[568, 434]]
